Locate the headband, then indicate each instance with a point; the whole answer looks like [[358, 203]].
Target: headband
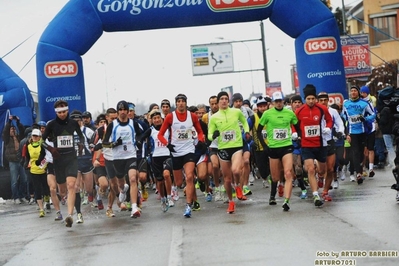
[[61, 109]]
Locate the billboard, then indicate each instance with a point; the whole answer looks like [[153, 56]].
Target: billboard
[[212, 58], [356, 55], [272, 87]]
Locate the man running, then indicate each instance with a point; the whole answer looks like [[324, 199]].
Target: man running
[[223, 126]]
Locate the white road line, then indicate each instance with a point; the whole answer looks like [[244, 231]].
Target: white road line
[[176, 247]]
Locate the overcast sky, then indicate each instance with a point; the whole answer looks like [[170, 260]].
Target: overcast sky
[[148, 66]]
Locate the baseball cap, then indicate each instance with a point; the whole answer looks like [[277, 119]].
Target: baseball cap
[[36, 132], [86, 114], [277, 95]]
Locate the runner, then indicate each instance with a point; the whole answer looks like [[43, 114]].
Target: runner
[[61, 130], [181, 145], [278, 121], [359, 114], [223, 126], [314, 126]]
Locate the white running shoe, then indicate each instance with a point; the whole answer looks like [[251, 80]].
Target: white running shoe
[[335, 184], [353, 178], [122, 194], [171, 202], [342, 175]]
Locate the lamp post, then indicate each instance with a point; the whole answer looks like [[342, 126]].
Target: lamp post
[[106, 81]]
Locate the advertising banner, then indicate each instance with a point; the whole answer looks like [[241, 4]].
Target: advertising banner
[[356, 55]]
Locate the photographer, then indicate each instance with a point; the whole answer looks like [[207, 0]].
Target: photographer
[[13, 133]]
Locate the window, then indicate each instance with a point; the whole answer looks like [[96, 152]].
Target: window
[[386, 25]]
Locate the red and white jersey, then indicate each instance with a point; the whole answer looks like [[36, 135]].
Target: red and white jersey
[[182, 135], [160, 149]]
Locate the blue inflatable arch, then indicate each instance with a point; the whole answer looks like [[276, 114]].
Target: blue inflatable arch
[[15, 99], [81, 23]]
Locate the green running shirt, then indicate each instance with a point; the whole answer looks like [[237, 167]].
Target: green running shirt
[[278, 126]]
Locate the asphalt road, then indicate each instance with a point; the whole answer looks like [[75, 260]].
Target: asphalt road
[[360, 219]]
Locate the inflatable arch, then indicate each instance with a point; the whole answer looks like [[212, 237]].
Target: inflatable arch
[[15, 99], [76, 28]]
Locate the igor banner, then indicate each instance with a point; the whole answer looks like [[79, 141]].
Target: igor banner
[[81, 23], [356, 55]]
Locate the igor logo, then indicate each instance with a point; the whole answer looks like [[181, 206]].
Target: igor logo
[[223, 5], [336, 98], [320, 45], [61, 69]]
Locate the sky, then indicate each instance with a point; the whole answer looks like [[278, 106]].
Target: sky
[[148, 66]]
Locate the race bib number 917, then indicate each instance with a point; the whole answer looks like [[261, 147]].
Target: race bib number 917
[[312, 131]]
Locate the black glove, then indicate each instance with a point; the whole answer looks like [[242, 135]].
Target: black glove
[[361, 118], [216, 134], [98, 146], [171, 147], [37, 162], [139, 142], [340, 135], [117, 143], [201, 147], [248, 137]]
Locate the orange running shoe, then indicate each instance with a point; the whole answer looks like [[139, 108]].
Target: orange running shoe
[[239, 194], [231, 207], [326, 197]]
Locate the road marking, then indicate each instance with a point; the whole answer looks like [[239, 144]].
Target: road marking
[[176, 247]]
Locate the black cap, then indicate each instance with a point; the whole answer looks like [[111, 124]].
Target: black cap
[[237, 96], [222, 93], [165, 102], [122, 105], [309, 89], [76, 114], [86, 114]]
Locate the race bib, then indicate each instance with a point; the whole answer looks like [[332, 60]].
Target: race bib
[[312, 131], [228, 136], [184, 135], [65, 141], [280, 134], [264, 134], [355, 119]]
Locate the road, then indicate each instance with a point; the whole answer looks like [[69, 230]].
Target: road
[[360, 219]]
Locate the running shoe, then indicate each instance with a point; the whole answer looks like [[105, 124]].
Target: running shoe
[[371, 173], [17, 201], [251, 180], [187, 212], [110, 213], [352, 178], [208, 197], [359, 179], [197, 185], [196, 206], [218, 196], [80, 218], [128, 205], [85, 201], [68, 221], [122, 194], [136, 212], [247, 191], [123, 206], [171, 203], [232, 207], [145, 194], [164, 205], [265, 183], [272, 200], [154, 186], [304, 194], [175, 193], [202, 186], [48, 207], [280, 190], [239, 194], [90, 198], [63, 200], [342, 175], [286, 206], [58, 216], [42, 213], [326, 197], [100, 204], [320, 182], [335, 184], [317, 201], [31, 201]]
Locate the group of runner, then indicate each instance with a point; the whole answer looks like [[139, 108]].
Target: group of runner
[[215, 149]]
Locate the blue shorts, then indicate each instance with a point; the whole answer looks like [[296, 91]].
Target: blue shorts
[[319, 154]]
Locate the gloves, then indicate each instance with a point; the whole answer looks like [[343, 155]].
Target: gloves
[[248, 137], [216, 134], [340, 135], [37, 162], [117, 143], [139, 142], [171, 147], [201, 147], [54, 152], [361, 118], [294, 136], [327, 131], [98, 146]]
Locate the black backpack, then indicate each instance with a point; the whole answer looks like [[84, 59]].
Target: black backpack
[[388, 97]]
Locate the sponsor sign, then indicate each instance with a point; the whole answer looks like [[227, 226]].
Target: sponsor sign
[[320, 45], [225, 5], [356, 55], [61, 69], [272, 87]]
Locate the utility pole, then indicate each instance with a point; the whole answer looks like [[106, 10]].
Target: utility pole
[[262, 34]]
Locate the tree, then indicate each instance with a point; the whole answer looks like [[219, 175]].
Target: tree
[[340, 21]]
